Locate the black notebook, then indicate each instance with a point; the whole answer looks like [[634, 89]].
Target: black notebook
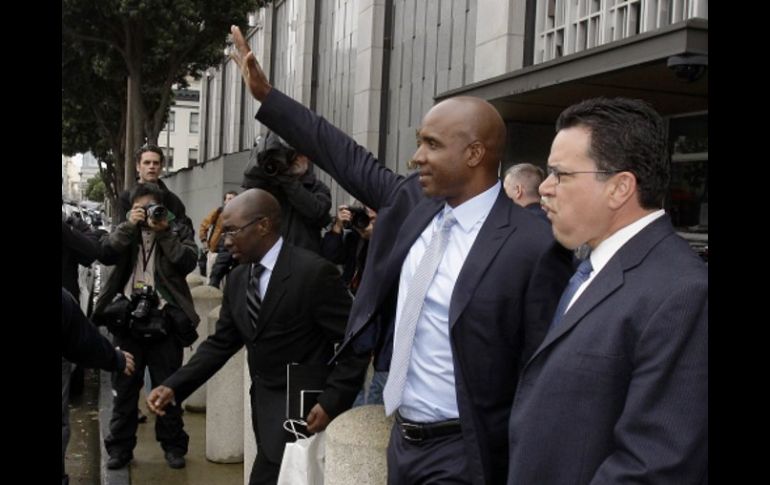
[[304, 383]]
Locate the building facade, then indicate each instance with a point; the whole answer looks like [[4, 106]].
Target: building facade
[[374, 67], [180, 136]]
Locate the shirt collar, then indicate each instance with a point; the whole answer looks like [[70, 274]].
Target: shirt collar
[[270, 258], [607, 248], [473, 210]]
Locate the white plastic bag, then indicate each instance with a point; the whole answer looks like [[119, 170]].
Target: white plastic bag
[[303, 461]]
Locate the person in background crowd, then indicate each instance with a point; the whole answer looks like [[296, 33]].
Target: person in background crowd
[[152, 253]]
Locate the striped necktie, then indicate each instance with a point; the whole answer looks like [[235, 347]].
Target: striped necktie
[[415, 298], [253, 301]]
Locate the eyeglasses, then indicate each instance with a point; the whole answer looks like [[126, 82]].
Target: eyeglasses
[[559, 174], [233, 232]]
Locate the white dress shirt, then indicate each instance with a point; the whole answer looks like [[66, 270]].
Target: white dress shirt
[[607, 249], [268, 261]]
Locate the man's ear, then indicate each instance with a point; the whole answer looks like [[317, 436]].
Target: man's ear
[[476, 151], [621, 189]]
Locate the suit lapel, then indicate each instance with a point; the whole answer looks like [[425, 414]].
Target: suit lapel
[[276, 288], [603, 285], [610, 278], [493, 233], [237, 286]]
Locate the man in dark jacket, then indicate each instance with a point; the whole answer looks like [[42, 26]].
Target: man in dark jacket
[[83, 344], [288, 175], [152, 254], [475, 290], [288, 305]]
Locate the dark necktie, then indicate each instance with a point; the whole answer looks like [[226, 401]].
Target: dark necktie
[[580, 276], [253, 301]]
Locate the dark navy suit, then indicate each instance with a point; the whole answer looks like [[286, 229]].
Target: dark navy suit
[[618, 391], [509, 281]]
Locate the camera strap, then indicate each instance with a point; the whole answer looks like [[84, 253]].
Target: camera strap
[[147, 255]]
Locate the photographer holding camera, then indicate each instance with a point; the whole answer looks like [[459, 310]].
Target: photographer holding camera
[[149, 160], [347, 242], [305, 201], [147, 305]]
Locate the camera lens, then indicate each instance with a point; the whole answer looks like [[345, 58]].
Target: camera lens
[[156, 212]]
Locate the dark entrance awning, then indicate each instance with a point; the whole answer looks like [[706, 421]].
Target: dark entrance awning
[[634, 67]]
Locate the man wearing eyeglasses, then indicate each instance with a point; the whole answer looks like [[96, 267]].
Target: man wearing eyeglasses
[[285, 304], [618, 390]]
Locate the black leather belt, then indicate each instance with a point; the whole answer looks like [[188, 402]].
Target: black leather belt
[[416, 432]]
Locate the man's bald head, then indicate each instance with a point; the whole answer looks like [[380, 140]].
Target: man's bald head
[[478, 120], [251, 225], [257, 202], [460, 146]]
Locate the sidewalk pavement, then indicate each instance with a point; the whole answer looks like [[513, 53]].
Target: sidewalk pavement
[[149, 466]]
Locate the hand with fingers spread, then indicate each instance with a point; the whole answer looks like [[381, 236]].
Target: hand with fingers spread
[[252, 73]]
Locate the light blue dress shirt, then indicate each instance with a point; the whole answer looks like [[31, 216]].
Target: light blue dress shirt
[[429, 394]]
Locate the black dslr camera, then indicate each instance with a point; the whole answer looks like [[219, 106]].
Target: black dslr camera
[[156, 212], [143, 300], [276, 155], [146, 320], [359, 219]]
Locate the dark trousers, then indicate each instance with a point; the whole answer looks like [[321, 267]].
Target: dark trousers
[[268, 412], [432, 461], [162, 358]]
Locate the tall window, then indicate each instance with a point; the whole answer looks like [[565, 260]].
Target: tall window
[[194, 120], [192, 157], [171, 121]]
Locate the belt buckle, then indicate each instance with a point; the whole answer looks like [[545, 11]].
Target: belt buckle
[[407, 428]]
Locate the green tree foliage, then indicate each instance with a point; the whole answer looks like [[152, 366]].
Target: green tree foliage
[[95, 189], [93, 108], [147, 45]]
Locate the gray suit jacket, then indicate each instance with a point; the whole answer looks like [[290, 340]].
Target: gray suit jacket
[[618, 391], [509, 283]]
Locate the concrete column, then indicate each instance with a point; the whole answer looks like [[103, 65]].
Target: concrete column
[[368, 84], [499, 37], [249, 440], [194, 279], [356, 443], [224, 407], [205, 299]]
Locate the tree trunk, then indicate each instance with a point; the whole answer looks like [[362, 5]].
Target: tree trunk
[[134, 131]]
